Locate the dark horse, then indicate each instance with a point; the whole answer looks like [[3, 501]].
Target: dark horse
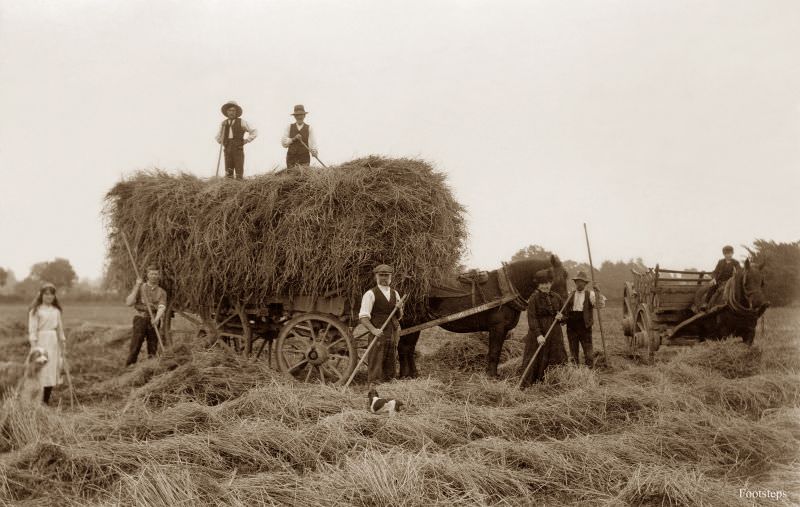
[[736, 306], [497, 321]]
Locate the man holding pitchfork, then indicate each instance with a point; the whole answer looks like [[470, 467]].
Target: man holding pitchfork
[[377, 306], [142, 296]]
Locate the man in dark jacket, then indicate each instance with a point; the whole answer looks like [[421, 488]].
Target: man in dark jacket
[[724, 271], [376, 306], [580, 317], [231, 136]]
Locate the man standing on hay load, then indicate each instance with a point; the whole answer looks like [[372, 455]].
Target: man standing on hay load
[[299, 138], [144, 328], [580, 317], [376, 306], [231, 137]]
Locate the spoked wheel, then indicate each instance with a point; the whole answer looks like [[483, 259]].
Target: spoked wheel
[[643, 336], [233, 329], [316, 347]]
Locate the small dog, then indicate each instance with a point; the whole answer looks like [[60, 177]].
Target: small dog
[[378, 404], [23, 379]]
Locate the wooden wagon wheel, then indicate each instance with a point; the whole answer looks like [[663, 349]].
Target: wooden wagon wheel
[[643, 335], [234, 330], [628, 312], [316, 347]]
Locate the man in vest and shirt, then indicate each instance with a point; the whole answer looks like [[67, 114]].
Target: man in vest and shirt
[[142, 296], [299, 138], [580, 317], [376, 306], [231, 137]]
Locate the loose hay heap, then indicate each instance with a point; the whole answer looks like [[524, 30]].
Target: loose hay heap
[[304, 231]]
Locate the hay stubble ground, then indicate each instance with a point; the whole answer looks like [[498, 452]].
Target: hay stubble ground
[[203, 428]]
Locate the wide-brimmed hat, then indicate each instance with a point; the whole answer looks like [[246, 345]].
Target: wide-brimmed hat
[[299, 109], [581, 276], [230, 103], [543, 276], [383, 268]]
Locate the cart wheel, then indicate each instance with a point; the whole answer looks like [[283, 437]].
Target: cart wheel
[[643, 336], [627, 311], [233, 329], [314, 346]]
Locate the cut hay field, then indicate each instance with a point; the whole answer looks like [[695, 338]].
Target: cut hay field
[[712, 424]]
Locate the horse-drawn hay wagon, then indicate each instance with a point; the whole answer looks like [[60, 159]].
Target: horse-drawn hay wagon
[[660, 308], [284, 258]]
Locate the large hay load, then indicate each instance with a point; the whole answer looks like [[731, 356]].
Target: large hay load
[[280, 244]]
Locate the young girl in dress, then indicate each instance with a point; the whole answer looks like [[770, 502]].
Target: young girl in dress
[[45, 330]]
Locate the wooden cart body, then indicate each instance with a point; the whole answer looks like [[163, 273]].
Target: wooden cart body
[[313, 336], [658, 309]]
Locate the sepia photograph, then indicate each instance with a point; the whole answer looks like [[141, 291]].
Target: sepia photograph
[[331, 253]]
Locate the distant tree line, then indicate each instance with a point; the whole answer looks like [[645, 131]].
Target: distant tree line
[[781, 263], [60, 273]]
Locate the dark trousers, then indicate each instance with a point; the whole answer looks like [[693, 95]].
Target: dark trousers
[[142, 330], [293, 159], [382, 358], [234, 162], [579, 334]]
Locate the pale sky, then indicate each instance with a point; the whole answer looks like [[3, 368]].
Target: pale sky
[[670, 127]]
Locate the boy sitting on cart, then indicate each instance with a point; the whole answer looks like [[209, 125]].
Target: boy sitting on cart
[[724, 271]]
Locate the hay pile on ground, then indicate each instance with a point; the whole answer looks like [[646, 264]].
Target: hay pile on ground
[[205, 428], [295, 232]]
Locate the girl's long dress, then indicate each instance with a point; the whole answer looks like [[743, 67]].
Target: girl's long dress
[[45, 330]]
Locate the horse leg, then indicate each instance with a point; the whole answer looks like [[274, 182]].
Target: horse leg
[[497, 335], [405, 355]]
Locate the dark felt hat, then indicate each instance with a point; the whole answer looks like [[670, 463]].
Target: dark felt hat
[[299, 109], [230, 103], [543, 276], [581, 276]]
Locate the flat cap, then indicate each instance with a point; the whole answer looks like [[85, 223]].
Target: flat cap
[[383, 268]]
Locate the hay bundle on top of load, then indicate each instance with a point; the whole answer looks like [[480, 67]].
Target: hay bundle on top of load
[[300, 232]]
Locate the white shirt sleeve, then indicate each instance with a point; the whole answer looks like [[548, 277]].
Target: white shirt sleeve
[[251, 132], [593, 299], [220, 131], [285, 141], [312, 139], [367, 301]]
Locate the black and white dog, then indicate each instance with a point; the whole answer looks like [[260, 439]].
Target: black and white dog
[[378, 405]]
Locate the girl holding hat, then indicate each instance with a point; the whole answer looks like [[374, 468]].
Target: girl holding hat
[[46, 330], [543, 310]]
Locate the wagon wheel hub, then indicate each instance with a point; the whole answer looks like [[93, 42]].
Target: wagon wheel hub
[[317, 354]]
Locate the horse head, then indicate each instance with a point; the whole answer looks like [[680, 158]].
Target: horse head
[[752, 286], [560, 276], [521, 274]]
